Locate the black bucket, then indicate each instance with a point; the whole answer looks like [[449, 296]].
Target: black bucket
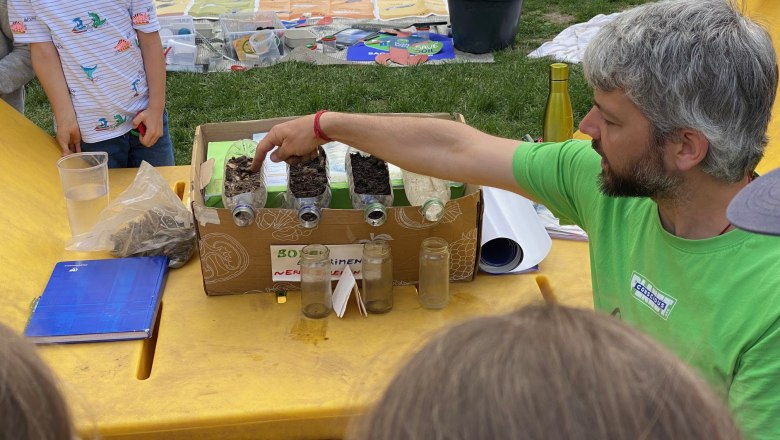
[[481, 26]]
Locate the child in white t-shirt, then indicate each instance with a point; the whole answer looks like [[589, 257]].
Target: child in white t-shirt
[[102, 67]]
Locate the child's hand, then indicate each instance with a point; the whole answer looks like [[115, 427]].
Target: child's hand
[[69, 136], [153, 121]]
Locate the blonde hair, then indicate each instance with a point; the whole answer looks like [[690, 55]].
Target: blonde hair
[[546, 372], [31, 406]]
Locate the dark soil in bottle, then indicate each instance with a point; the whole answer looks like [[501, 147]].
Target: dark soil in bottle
[[370, 174], [239, 178], [309, 179]]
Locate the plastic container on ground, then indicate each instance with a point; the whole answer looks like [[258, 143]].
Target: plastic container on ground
[[239, 24], [179, 30], [481, 26]]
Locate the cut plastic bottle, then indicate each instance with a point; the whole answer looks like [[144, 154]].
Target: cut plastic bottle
[[308, 190], [371, 189], [429, 193], [243, 192]]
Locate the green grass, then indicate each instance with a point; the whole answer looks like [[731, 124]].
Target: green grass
[[505, 98]]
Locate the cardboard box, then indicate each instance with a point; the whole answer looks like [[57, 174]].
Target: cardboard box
[[237, 260]]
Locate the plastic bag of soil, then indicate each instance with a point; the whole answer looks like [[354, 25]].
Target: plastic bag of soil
[[148, 218]]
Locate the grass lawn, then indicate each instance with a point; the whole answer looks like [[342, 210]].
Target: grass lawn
[[505, 98]]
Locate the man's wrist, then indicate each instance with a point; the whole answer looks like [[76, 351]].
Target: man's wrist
[[319, 133]]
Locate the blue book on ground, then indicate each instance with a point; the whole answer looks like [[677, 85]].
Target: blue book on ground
[[99, 300]]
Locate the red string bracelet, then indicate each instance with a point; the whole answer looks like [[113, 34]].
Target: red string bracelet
[[318, 133]]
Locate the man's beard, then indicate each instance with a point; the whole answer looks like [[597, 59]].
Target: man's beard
[[646, 177]]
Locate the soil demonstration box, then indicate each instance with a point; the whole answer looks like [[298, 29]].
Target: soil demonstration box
[[237, 259]]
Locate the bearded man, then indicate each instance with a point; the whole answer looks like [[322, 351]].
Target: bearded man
[[682, 96]]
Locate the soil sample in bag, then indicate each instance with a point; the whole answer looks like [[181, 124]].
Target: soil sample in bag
[[156, 232]]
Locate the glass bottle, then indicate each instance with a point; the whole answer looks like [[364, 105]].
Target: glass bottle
[[429, 193], [434, 284], [315, 281], [377, 277], [558, 123], [243, 192], [309, 202], [374, 205]]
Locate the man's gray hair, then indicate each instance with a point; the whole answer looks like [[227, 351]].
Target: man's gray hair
[[696, 64]]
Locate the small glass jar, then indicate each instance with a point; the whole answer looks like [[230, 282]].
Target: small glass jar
[[424, 32], [377, 277], [434, 284], [329, 44], [311, 46], [315, 281]]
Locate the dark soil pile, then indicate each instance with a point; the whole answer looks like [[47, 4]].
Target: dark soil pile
[[155, 233], [370, 174], [239, 178], [309, 179]]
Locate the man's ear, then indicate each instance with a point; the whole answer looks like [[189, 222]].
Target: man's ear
[[690, 147]]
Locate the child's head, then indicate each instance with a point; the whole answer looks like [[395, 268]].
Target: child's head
[[546, 372], [31, 406]]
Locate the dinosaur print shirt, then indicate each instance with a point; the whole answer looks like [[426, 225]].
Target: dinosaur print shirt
[[98, 48]]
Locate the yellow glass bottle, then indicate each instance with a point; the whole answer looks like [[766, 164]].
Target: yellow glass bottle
[[558, 123]]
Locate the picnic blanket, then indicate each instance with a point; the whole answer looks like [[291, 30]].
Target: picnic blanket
[[216, 45], [290, 9]]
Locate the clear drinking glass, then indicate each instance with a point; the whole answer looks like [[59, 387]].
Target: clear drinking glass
[[315, 281], [377, 277], [84, 178], [434, 285]]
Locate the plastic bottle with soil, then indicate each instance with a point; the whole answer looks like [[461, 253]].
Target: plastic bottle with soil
[[429, 193], [370, 188], [308, 191], [243, 192]]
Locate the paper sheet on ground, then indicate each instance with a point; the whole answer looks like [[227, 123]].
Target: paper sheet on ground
[[569, 46], [508, 215]]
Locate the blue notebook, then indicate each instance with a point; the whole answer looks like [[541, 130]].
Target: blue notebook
[[99, 300]]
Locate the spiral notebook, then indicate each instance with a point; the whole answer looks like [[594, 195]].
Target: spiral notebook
[[99, 300]]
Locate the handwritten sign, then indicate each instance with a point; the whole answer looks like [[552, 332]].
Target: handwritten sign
[[286, 261]]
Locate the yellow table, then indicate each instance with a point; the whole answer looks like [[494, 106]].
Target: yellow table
[[233, 366]]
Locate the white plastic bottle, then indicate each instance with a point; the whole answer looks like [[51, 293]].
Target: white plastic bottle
[[429, 193]]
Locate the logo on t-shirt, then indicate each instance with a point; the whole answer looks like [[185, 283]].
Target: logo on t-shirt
[[141, 18], [18, 27], [651, 296]]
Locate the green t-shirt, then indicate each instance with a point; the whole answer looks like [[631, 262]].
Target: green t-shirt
[[715, 302]]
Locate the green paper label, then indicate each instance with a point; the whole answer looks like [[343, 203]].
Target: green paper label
[[426, 48]]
